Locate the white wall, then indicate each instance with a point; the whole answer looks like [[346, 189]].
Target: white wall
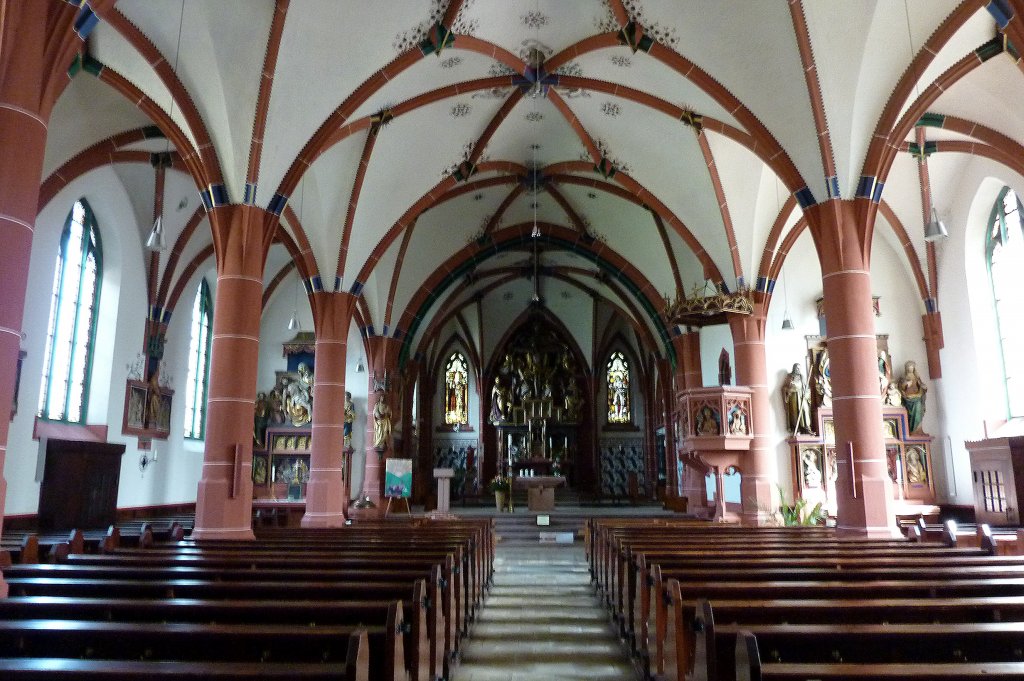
[[119, 339], [971, 394]]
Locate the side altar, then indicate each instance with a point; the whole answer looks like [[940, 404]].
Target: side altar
[[813, 447], [283, 428]]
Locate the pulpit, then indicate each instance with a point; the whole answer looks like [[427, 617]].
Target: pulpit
[[716, 431]]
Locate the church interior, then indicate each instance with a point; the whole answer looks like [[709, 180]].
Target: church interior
[[718, 260]]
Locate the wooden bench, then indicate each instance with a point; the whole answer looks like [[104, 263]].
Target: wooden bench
[[641, 591], [427, 646], [444, 586], [355, 653], [237, 591], [750, 666], [739, 564], [862, 642], [467, 584]]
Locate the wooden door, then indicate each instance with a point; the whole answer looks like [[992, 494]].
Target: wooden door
[[995, 496]]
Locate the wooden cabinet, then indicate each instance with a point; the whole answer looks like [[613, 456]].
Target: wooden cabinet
[[80, 482], [997, 475]]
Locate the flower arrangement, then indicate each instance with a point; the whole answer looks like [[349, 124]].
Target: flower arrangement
[[500, 483]]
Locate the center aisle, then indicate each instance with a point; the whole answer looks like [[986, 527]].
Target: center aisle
[[542, 620]]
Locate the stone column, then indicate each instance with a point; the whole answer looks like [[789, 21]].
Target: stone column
[[23, 121], [760, 471], [863, 488], [694, 488], [693, 377], [326, 493], [242, 235], [383, 376], [665, 400]]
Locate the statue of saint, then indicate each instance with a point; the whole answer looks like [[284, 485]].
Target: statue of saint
[[572, 400], [797, 400], [812, 474], [915, 468], [707, 424], [381, 421], [892, 397], [350, 417], [275, 404], [884, 372], [913, 391], [823, 382], [260, 420], [737, 422], [499, 401], [298, 397]]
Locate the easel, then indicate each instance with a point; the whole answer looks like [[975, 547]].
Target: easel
[[387, 509]]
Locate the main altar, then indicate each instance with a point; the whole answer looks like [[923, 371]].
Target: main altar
[[536, 403]]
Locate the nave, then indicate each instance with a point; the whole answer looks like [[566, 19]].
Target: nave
[[542, 620]]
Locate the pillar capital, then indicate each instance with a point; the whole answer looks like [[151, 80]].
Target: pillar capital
[[332, 314], [242, 235], [842, 231]]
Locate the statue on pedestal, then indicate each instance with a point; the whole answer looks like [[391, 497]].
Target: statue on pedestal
[[796, 397], [913, 391], [381, 421], [500, 398], [298, 397], [350, 417], [261, 418]]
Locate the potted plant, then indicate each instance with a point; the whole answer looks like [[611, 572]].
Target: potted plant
[[501, 486], [798, 513]]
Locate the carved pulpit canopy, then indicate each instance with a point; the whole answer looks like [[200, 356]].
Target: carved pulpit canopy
[[707, 305]]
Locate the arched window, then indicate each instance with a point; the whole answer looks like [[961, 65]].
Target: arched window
[[456, 391], [1005, 250], [618, 389], [67, 356], [198, 364]]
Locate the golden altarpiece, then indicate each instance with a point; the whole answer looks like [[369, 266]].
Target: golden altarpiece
[[535, 405], [282, 426]]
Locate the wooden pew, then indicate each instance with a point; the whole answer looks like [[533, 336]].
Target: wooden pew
[[426, 643], [213, 590], [734, 574], [444, 585], [753, 669], [355, 668], [642, 600], [877, 632], [463, 592]]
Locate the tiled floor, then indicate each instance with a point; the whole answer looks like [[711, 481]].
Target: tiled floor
[[542, 620]]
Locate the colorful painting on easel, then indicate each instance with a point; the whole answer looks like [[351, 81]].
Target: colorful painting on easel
[[398, 478]]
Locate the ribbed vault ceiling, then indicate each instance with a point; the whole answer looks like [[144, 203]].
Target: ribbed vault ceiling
[[669, 133]]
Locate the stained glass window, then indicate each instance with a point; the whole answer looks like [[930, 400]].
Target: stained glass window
[[71, 331], [198, 364], [618, 389], [1005, 249], [456, 391]]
